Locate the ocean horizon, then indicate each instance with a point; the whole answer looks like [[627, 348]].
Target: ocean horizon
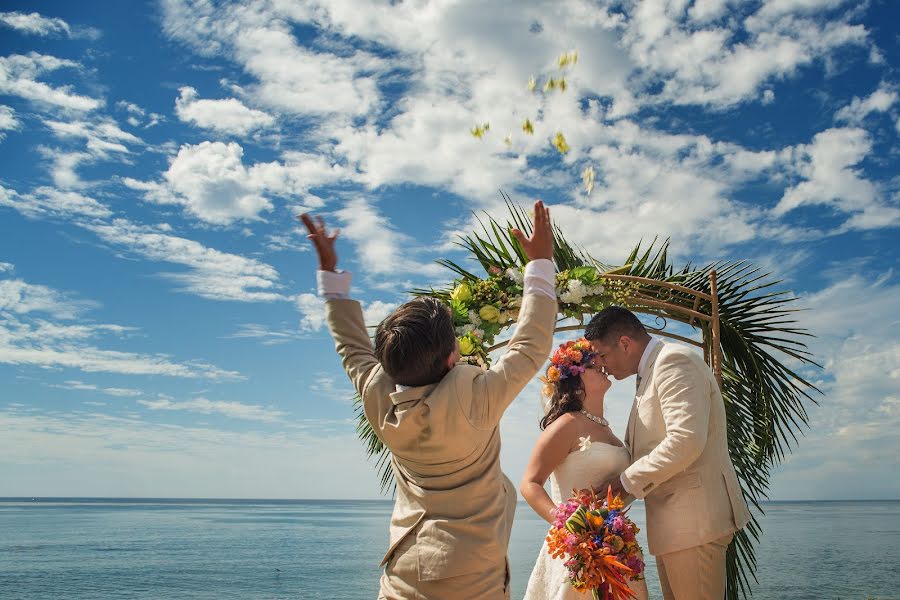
[[204, 548]]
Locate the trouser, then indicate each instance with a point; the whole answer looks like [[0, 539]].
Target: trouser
[[401, 580], [696, 573]]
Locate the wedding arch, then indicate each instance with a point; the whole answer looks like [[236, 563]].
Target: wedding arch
[[745, 327]]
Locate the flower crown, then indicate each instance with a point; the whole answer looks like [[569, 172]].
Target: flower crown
[[569, 360]]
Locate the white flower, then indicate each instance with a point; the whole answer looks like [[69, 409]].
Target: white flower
[[574, 293], [595, 290], [515, 275], [479, 333], [474, 319], [584, 443]]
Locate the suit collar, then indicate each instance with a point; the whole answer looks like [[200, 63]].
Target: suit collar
[[409, 394], [647, 359]]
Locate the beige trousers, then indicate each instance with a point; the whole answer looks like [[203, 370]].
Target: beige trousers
[[401, 580], [696, 573]]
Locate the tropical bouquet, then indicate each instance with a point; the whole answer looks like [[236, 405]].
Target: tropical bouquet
[[598, 543]]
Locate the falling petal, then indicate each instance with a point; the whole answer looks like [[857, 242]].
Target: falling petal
[[550, 85], [532, 83], [559, 142], [569, 58], [479, 130], [527, 127], [587, 176], [562, 85], [508, 140]]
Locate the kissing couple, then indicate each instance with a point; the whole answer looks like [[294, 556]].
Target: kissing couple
[[453, 514]]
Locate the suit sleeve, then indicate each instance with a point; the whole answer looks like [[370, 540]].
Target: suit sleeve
[[684, 397], [526, 352], [351, 340]]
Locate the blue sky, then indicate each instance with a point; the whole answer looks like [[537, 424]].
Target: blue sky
[[159, 329]]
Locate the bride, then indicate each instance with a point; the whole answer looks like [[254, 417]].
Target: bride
[[576, 450]]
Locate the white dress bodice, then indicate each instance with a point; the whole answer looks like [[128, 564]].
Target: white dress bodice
[[581, 469]]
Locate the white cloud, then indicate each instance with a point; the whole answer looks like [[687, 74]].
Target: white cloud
[[375, 312], [18, 77], [74, 384], [881, 100], [92, 454], [214, 183], [381, 249], [50, 202], [234, 410], [312, 309], [228, 116], [37, 24], [34, 23], [8, 120], [211, 181], [27, 339], [212, 274], [266, 335], [829, 178]]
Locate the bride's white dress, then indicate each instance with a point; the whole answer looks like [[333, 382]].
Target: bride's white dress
[[580, 469]]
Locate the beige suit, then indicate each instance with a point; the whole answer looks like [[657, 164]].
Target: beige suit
[[681, 467], [454, 509]]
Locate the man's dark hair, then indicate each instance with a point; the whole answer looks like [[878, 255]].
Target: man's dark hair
[[613, 322], [414, 342]]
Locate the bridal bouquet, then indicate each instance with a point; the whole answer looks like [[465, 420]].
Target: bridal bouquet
[[597, 541]]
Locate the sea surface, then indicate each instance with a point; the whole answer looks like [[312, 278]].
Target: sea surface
[[157, 549]]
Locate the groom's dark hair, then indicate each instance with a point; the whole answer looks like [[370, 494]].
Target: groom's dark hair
[[613, 322], [414, 342]]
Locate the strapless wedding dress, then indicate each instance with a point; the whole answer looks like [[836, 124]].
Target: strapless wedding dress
[[581, 469]]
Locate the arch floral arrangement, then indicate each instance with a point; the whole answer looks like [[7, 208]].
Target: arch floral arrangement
[[746, 327]]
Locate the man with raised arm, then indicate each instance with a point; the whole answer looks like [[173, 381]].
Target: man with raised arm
[[454, 508]]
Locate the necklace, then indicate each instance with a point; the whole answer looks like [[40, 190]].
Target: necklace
[[599, 420]]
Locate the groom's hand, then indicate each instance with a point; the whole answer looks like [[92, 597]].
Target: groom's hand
[[323, 242], [540, 244]]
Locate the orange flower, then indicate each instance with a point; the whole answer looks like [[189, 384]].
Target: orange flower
[[553, 374]]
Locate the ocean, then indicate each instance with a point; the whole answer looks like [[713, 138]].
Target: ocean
[[160, 549]]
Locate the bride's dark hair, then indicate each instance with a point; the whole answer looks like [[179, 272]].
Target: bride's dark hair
[[568, 396]]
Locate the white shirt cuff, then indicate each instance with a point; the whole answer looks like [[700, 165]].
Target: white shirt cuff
[[333, 285], [625, 485], [540, 278]]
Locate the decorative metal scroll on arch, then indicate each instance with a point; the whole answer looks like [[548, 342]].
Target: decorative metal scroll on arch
[[747, 334]]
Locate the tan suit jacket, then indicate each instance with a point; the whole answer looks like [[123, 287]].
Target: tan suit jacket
[[445, 441], [680, 462]]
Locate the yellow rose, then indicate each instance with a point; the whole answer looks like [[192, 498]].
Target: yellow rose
[[489, 313], [466, 346], [462, 293]]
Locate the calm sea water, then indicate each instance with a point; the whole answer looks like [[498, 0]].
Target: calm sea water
[[103, 549]]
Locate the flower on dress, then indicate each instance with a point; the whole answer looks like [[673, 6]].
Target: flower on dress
[[584, 443]]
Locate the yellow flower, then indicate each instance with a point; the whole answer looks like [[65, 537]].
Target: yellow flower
[[587, 176], [479, 130], [527, 127], [532, 83], [559, 142], [462, 293], [466, 346], [489, 313]]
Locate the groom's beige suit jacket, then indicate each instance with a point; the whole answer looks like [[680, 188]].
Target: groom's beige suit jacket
[[445, 441], [680, 462]]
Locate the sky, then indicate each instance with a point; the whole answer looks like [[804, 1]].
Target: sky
[[160, 333]]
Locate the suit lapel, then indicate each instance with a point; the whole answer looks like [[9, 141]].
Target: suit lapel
[[645, 380]]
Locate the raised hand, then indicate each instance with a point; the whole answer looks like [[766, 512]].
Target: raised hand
[[540, 244], [323, 242]]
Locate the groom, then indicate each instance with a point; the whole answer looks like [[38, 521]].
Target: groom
[[680, 464], [454, 510]]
